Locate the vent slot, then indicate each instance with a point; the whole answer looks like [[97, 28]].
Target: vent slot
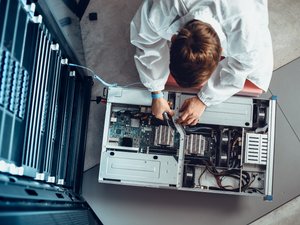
[[256, 148]]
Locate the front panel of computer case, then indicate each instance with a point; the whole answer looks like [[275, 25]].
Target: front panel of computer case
[[44, 106], [229, 151]]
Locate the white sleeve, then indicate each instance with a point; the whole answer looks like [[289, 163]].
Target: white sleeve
[[227, 80], [152, 52], [244, 56]]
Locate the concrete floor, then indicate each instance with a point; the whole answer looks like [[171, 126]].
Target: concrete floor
[[288, 214], [284, 23], [109, 53]]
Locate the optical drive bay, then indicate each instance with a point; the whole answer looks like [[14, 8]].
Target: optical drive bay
[[229, 151]]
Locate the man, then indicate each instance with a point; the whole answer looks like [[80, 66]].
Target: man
[[200, 33]]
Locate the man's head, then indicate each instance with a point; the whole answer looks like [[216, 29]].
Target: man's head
[[195, 53]]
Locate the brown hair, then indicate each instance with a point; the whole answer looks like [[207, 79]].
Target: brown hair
[[194, 54]]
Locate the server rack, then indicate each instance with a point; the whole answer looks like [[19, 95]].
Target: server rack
[[43, 119]]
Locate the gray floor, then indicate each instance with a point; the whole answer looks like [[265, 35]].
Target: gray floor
[[108, 52], [286, 214], [284, 19]]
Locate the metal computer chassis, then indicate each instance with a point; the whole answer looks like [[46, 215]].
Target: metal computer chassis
[[230, 150]]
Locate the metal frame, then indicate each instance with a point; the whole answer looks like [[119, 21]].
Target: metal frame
[[41, 136], [43, 123], [270, 156], [125, 96]]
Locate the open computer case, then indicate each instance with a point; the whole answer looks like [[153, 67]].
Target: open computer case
[[44, 108], [230, 151]]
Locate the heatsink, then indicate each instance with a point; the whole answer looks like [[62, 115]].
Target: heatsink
[[195, 144], [164, 135]]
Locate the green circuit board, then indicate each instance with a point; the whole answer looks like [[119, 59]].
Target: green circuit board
[[131, 128]]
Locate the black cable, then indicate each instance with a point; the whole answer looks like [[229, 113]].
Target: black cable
[[233, 173], [201, 176], [98, 99]]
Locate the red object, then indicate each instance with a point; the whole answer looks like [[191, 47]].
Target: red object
[[249, 89]]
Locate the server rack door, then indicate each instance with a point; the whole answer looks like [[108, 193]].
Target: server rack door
[[44, 107]]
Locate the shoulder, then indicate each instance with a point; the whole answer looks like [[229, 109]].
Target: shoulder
[[161, 13], [253, 12], [236, 7]]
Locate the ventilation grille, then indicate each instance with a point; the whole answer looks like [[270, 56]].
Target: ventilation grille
[[13, 85], [256, 148]]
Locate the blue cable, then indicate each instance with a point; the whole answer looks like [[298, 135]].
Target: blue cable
[[95, 76]]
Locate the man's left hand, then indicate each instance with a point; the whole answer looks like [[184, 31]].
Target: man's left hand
[[191, 111]]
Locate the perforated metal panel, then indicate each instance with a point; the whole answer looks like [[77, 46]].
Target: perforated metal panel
[[42, 117], [256, 148]]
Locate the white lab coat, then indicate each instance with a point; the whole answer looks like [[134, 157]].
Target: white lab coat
[[242, 27]]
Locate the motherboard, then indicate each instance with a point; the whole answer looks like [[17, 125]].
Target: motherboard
[[137, 130]]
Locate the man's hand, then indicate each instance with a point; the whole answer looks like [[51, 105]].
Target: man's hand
[[191, 111], [159, 106]]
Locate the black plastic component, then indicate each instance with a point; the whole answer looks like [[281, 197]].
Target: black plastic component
[[157, 122], [126, 141], [31, 192], [189, 176], [224, 148], [93, 16], [163, 151], [259, 115]]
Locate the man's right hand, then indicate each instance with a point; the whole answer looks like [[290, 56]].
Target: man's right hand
[[159, 106]]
